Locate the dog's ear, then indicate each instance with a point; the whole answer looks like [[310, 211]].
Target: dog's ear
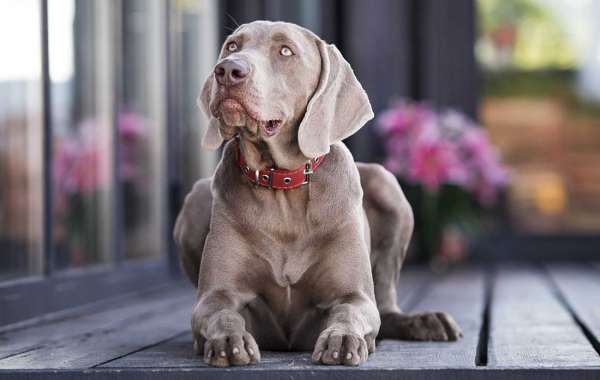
[[212, 138], [338, 108]]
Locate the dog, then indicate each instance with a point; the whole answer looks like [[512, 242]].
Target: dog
[[291, 244]]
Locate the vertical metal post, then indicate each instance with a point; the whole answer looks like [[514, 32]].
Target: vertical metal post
[[48, 246], [172, 130], [117, 77]]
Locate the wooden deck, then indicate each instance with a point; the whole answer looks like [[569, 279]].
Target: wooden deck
[[520, 322]]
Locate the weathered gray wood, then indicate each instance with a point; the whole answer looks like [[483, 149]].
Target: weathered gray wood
[[91, 320], [32, 297], [316, 373], [580, 288], [533, 336], [413, 282], [460, 293], [530, 328], [129, 333], [322, 372]]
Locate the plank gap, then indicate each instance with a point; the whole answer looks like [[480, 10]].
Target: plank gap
[[87, 308], [562, 299], [178, 335], [29, 349], [481, 358]]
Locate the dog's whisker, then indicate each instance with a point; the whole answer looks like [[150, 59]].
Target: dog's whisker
[[237, 24]]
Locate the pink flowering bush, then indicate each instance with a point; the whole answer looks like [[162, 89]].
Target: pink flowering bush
[[432, 149], [80, 165], [448, 168], [81, 172]]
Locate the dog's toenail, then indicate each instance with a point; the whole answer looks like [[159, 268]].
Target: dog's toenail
[[251, 351], [335, 354], [349, 355], [236, 350], [210, 353], [222, 354]]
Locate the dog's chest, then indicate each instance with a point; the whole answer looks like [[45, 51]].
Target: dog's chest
[[287, 264], [281, 237]]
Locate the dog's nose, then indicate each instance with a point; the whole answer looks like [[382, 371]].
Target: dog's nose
[[231, 72]]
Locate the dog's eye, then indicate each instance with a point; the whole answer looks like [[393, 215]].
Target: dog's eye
[[232, 46], [286, 51]]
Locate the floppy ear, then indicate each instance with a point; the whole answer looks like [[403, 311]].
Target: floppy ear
[[338, 108], [212, 138]]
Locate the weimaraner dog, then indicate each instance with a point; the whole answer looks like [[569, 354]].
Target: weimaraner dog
[[293, 245]]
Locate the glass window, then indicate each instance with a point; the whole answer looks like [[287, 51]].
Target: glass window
[[541, 103], [82, 128], [193, 52], [107, 65], [21, 132], [140, 124]]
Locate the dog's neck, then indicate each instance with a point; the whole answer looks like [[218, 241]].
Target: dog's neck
[[280, 152]]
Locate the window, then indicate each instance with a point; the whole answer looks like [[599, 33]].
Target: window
[[94, 148], [81, 134], [21, 132], [141, 125]]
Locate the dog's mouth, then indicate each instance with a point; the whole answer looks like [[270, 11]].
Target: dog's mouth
[[235, 113]]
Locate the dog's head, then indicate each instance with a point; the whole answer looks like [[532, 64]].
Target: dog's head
[[275, 77]]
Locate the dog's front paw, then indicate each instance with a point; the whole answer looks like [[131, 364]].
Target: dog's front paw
[[336, 347], [433, 326], [226, 350]]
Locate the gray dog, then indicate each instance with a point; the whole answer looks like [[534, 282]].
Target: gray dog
[[293, 245]]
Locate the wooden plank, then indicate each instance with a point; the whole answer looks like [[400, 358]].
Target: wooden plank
[[530, 328], [128, 333], [462, 295], [29, 298], [465, 304], [90, 320], [579, 287], [414, 281], [315, 373]]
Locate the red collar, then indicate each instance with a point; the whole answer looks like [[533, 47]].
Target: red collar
[[278, 178]]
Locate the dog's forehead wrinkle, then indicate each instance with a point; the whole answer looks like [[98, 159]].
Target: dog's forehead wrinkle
[[273, 30]]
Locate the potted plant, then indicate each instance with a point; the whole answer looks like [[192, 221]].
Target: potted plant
[[449, 170]]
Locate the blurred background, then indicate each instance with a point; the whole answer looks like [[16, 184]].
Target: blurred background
[[488, 111]]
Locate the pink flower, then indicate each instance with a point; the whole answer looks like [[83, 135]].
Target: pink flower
[[403, 117], [433, 161], [131, 126], [80, 165], [77, 167], [433, 149], [482, 159], [132, 133]]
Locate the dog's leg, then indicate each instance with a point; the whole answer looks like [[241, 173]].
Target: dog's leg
[[220, 330], [391, 223], [224, 290], [192, 227], [344, 291], [348, 337]]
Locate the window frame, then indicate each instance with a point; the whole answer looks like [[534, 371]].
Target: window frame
[[32, 297]]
